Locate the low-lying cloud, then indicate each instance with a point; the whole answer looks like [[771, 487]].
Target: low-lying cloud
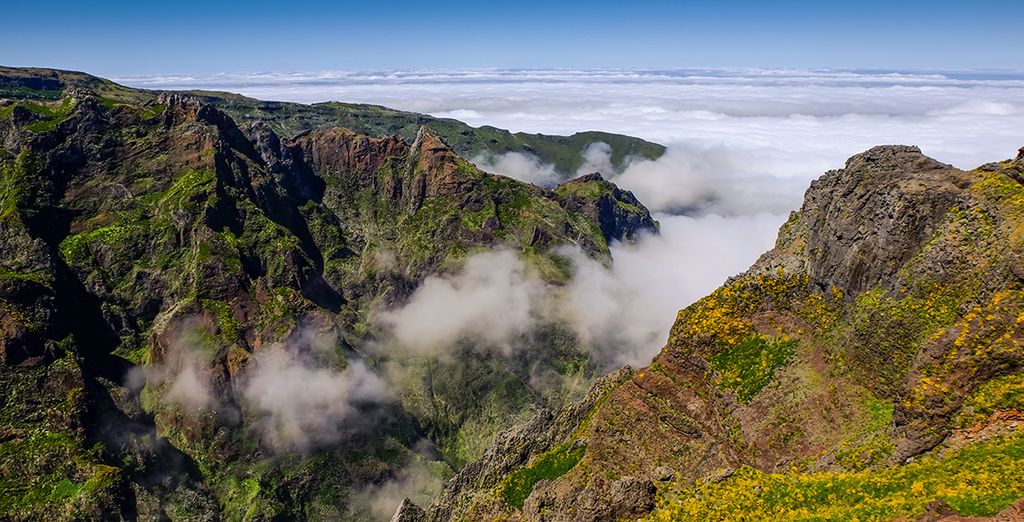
[[806, 120], [597, 157], [621, 314], [494, 298], [295, 396], [183, 372], [300, 404], [686, 180], [416, 481], [519, 165], [694, 180]]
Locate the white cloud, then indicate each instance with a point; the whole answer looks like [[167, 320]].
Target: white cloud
[[694, 180], [299, 401], [622, 314], [520, 166], [183, 372], [493, 298], [597, 157], [691, 257], [416, 481]]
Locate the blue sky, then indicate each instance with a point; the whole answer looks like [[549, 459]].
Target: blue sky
[[123, 38]]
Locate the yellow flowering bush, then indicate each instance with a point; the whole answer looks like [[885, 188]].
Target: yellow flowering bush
[[978, 480]]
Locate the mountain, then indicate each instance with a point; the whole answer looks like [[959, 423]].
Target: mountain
[[565, 153], [869, 367], [186, 306]]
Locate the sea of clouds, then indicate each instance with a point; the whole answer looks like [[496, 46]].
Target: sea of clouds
[[742, 146]]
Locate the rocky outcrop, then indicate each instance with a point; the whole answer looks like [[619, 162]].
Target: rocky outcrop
[[513, 449], [860, 225], [408, 512], [618, 212]]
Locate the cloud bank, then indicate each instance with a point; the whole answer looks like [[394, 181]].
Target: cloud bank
[[295, 396], [300, 405], [494, 298], [303, 393]]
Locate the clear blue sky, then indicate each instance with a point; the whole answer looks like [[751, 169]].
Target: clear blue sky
[[117, 38]]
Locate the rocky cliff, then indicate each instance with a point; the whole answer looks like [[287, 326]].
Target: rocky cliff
[[868, 367], [166, 275]]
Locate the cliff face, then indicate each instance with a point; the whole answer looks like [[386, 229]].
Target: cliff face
[[134, 223], [874, 356]]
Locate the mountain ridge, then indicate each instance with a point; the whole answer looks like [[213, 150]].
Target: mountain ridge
[[565, 153]]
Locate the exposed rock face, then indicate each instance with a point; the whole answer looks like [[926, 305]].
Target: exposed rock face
[[864, 222], [620, 214], [409, 512], [131, 220], [896, 287]]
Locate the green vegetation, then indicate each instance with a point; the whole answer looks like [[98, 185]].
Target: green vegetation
[[54, 114], [884, 333], [176, 232], [871, 443], [1001, 393], [977, 480], [46, 469], [186, 189], [228, 326], [547, 466], [12, 184], [1009, 195], [75, 248], [748, 366], [590, 189]]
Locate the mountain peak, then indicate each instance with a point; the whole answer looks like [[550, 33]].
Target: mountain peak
[[892, 157], [593, 176]]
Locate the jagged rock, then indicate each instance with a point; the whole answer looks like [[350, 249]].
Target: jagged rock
[[861, 224], [619, 213], [513, 448], [663, 473], [409, 512]]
